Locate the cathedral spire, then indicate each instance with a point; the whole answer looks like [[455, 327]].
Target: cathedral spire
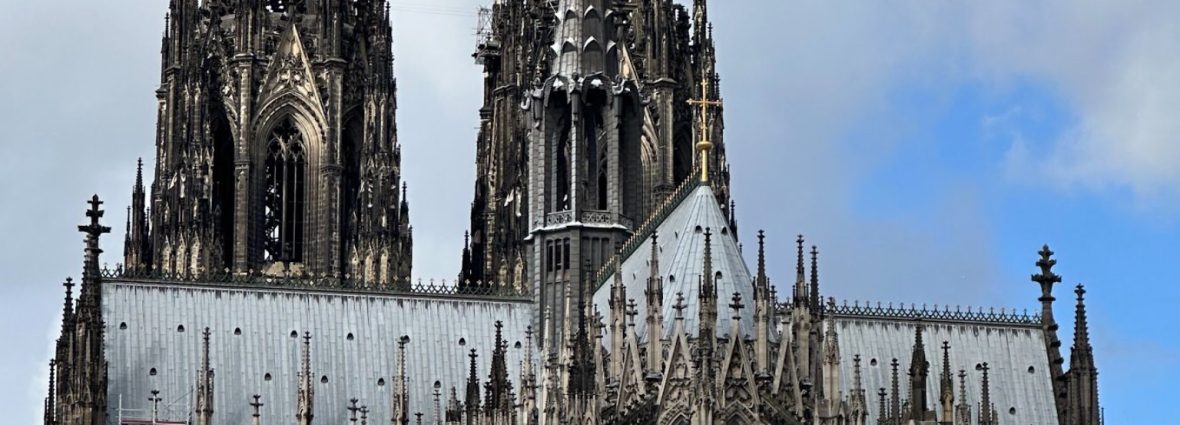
[[1081, 335], [90, 300], [400, 402], [471, 402], [816, 302], [894, 394], [762, 281], [800, 291], [946, 384], [67, 312], [1083, 407], [986, 408], [1045, 278], [50, 414], [499, 389], [655, 309], [257, 406], [858, 405], [204, 408], [919, 370], [305, 401], [963, 409], [700, 20], [830, 367], [763, 305], [80, 351], [618, 310], [708, 296]]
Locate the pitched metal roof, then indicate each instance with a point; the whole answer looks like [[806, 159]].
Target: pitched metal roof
[[1019, 368], [353, 346], [681, 243]]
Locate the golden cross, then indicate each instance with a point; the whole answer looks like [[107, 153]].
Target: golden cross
[[704, 145]]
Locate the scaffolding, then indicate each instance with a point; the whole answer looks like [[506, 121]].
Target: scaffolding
[[485, 44]]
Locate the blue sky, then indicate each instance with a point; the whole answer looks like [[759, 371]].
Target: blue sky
[[928, 148]]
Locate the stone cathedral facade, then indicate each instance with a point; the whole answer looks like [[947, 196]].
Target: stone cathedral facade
[[266, 267]]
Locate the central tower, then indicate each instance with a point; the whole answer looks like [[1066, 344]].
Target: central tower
[[586, 129], [276, 147]]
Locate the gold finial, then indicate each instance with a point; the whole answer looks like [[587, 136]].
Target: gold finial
[[704, 145]]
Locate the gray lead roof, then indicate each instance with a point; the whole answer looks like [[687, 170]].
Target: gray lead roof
[[681, 251], [143, 333], [1019, 367]]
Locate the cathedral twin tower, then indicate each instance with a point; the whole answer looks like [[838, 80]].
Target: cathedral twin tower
[[276, 146], [277, 150]]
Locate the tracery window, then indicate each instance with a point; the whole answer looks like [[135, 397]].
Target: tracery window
[[286, 181]]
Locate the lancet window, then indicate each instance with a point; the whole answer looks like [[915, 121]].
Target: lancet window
[[286, 188]]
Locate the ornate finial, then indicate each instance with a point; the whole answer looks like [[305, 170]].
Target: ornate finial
[[704, 145], [679, 306], [256, 405], [155, 399], [94, 229], [1046, 278], [352, 409], [632, 311], [736, 305]]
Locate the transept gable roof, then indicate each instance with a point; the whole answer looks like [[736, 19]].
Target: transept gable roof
[[681, 245]]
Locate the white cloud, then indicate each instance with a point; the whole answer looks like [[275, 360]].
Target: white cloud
[[1115, 65]]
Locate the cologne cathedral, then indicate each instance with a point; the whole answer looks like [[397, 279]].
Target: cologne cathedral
[[602, 281]]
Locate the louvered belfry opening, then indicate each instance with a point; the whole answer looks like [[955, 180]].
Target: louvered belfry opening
[[286, 181]]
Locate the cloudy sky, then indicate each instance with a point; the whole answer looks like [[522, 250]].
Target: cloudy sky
[[928, 148]]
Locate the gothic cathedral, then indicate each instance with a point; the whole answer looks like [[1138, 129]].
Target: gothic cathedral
[[267, 266]]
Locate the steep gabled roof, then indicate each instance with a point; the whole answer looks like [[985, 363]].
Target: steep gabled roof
[[681, 245]]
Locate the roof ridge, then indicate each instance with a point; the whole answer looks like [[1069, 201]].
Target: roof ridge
[[647, 228], [978, 315]]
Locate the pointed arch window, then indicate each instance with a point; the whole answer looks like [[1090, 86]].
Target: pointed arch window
[[286, 180]]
